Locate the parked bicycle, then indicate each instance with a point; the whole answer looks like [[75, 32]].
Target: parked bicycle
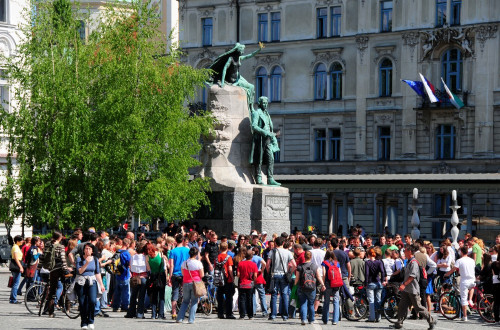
[[208, 302]]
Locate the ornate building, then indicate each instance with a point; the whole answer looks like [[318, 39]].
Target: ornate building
[[354, 139]]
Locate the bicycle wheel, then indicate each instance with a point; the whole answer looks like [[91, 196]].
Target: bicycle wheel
[[485, 308], [390, 308], [357, 309], [71, 308], [449, 305], [206, 305], [33, 298]]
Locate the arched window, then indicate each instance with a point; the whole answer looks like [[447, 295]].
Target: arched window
[[385, 88], [320, 79], [276, 84], [452, 69], [261, 85], [336, 81]]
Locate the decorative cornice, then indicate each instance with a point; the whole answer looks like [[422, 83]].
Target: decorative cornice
[[268, 60], [460, 36], [385, 51], [328, 56]]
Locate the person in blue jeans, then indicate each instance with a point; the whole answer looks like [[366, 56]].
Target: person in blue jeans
[[87, 283], [259, 283], [16, 268], [121, 296], [375, 280], [307, 294], [192, 271], [330, 292], [279, 262]]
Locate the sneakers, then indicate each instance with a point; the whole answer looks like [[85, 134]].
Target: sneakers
[[303, 322], [84, 327], [91, 326], [464, 319]]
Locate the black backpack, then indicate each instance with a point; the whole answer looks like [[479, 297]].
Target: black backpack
[[307, 278], [220, 277]]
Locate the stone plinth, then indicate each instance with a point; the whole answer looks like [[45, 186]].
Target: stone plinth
[[236, 203]]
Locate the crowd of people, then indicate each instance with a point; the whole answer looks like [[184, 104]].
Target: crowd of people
[[142, 277]]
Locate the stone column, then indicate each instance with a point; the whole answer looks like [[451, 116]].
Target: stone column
[[346, 214], [469, 213], [362, 88], [409, 56], [454, 219], [375, 214], [405, 214]]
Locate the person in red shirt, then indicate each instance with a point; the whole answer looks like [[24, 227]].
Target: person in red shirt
[[247, 273], [225, 293], [298, 252]]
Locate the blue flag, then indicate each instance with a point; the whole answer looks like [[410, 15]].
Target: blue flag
[[417, 86]]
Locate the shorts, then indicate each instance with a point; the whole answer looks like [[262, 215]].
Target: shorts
[[465, 286], [176, 285]]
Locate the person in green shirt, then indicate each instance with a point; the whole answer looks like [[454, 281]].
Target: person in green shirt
[[477, 252], [389, 245]]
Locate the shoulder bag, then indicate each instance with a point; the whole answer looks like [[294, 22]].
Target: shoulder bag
[[288, 275]]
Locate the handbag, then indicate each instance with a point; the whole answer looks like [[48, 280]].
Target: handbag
[[198, 287], [11, 282], [13, 267], [135, 280]]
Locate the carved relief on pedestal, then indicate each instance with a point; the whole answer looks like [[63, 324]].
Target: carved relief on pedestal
[[277, 206], [215, 144]]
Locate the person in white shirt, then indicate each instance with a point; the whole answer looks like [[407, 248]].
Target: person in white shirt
[[466, 266], [443, 262], [318, 256]]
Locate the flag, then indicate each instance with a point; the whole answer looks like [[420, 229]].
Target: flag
[[453, 98], [429, 89], [417, 86]]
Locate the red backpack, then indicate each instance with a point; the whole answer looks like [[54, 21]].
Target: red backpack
[[333, 274]]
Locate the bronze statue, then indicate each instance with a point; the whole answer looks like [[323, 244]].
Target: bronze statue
[[264, 142], [226, 69]]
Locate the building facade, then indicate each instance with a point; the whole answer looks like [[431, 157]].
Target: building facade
[[354, 139]]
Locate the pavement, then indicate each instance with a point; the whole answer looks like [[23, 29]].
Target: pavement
[[17, 317]]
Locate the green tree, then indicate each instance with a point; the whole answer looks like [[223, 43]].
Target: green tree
[[100, 126]]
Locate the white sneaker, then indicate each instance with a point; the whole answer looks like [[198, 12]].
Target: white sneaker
[[91, 326], [464, 319], [85, 327]]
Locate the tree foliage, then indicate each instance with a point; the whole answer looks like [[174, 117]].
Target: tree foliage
[[100, 126]]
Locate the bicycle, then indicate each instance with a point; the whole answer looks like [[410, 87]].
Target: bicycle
[[451, 308], [208, 302], [37, 294]]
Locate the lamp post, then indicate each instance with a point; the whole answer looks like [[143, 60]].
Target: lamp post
[[454, 218], [415, 220]]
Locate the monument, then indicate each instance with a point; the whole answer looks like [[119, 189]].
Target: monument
[[243, 197]]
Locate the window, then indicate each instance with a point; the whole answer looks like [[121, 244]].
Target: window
[[445, 142], [452, 69], [3, 10], [321, 21], [320, 82], [456, 8], [277, 154], [81, 31], [336, 15], [262, 27], [384, 143], [440, 12], [335, 144], [386, 78], [314, 214], [276, 84], [261, 89], [275, 26], [386, 16], [336, 81], [207, 24], [320, 144], [4, 97]]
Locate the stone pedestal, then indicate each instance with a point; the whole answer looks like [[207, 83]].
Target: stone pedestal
[[236, 203]]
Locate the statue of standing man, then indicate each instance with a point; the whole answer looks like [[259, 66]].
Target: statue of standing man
[[264, 143]]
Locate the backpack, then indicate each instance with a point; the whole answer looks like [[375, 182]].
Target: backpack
[[49, 258], [307, 278], [220, 277], [116, 267], [333, 275]]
